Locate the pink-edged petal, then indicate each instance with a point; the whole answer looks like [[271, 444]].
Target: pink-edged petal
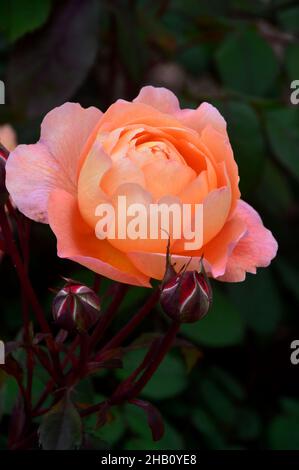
[[65, 131], [31, 174], [199, 118], [33, 171], [215, 211], [160, 98], [219, 249], [255, 249], [77, 241]]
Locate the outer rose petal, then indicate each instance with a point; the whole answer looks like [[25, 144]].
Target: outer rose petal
[[8, 137], [221, 151], [153, 264], [76, 241], [33, 171], [215, 253], [255, 249], [160, 98], [166, 102], [65, 131], [199, 118]]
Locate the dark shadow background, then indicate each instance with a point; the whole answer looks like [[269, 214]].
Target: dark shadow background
[[241, 56]]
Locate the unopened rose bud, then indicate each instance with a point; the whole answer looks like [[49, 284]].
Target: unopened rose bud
[[3, 190], [187, 296], [76, 307]]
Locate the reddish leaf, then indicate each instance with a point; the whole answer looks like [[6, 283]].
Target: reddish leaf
[[154, 418]]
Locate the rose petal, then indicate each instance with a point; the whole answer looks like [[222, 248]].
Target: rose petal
[[65, 131], [160, 98], [198, 119], [221, 152], [77, 241], [153, 265], [255, 249], [33, 171], [31, 174], [167, 177]]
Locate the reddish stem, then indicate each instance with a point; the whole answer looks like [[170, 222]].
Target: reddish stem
[[98, 332], [107, 318], [133, 323], [130, 393], [51, 383], [165, 346], [27, 288]]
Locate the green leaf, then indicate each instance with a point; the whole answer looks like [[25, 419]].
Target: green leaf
[[48, 67], [248, 424], [38, 387], [275, 184], [283, 132], [283, 429], [168, 381], [208, 427], [23, 17], [217, 401], [84, 392], [247, 63], [222, 326], [292, 61], [283, 433], [112, 431], [131, 49], [10, 392], [258, 301], [290, 276], [290, 406], [194, 59], [228, 382], [289, 19], [247, 141], [61, 428]]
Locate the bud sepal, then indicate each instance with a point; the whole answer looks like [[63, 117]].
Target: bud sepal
[[185, 296], [76, 307]]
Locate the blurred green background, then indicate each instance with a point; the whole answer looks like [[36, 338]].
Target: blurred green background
[[242, 56]]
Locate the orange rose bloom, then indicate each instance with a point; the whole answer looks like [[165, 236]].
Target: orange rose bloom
[[149, 150]]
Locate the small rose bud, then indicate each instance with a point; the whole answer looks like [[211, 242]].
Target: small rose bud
[[76, 307], [186, 296]]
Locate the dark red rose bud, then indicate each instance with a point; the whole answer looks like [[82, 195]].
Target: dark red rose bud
[[186, 296], [3, 190], [76, 307]]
